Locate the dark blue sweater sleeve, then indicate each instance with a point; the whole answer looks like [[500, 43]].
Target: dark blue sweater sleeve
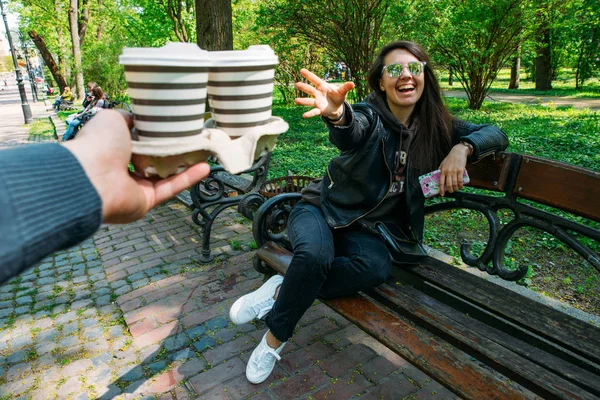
[[47, 203]]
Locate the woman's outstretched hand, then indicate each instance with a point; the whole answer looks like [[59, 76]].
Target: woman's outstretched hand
[[452, 169], [327, 100]]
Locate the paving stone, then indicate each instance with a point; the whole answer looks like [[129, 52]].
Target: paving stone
[[45, 265], [71, 386], [101, 361], [139, 283], [6, 312], [92, 333], [45, 347], [78, 273], [175, 342], [62, 299], [123, 289], [68, 317], [41, 314], [217, 323], [80, 279], [82, 304], [104, 300], [157, 367], [181, 355], [45, 273], [59, 309], [137, 276], [196, 332], [101, 291], [70, 329], [17, 356], [22, 310], [18, 371], [23, 300], [47, 335], [97, 277], [69, 342], [6, 296], [82, 294], [204, 343], [20, 341], [45, 281], [77, 367], [89, 322], [131, 374]]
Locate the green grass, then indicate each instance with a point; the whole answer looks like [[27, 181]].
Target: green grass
[[560, 133], [41, 129]]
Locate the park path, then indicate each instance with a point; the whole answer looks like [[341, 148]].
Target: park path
[[593, 104], [131, 313]]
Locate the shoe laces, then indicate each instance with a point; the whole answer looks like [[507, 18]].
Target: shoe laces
[[261, 309], [262, 359]]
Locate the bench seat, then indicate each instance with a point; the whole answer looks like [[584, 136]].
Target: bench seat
[[470, 334]]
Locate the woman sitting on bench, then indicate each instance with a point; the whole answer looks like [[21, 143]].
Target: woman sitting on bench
[[96, 103], [402, 130], [67, 96]]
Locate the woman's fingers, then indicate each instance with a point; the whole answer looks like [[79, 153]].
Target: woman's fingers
[[305, 101], [312, 78], [306, 88], [312, 113], [345, 88]]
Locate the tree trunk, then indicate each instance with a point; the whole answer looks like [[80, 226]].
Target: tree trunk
[[515, 73], [60, 37], [214, 27], [543, 64], [76, 48], [48, 59], [100, 29], [450, 78], [82, 20]]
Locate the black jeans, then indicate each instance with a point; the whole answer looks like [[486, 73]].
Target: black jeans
[[326, 263]]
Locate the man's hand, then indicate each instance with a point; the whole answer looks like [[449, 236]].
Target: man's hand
[[103, 148], [452, 169], [327, 99]]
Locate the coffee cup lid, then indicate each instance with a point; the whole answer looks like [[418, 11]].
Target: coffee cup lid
[[172, 54], [254, 55]]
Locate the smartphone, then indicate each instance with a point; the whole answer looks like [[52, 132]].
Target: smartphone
[[430, 183]]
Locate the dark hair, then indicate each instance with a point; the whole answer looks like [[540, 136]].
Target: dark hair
[[433, 122], [97, 92]]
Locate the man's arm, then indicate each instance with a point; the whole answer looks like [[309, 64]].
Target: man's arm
[[53, 196]]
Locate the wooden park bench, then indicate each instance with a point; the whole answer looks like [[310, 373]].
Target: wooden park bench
[[478, 338]]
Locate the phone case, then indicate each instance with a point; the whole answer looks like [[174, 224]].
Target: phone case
[[430, 183]]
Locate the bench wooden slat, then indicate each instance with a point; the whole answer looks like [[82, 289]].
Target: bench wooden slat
[[240, 184], [448, 365], [491, 173], [552, 376], [575, 335], [560, 185]]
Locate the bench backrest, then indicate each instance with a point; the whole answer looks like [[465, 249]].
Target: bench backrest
[[563, 186]]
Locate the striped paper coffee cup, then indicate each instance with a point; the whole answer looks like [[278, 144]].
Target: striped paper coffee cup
[[240, 88], [167, 88]]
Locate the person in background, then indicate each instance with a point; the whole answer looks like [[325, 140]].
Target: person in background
[[98, 103], [89, 97], [90, 175], [67, 95], [400, 131]]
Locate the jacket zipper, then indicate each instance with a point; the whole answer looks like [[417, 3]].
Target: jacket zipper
[[384, 197], [330, 179]]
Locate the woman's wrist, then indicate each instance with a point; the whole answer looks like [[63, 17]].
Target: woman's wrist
[[337, 117], [467, 147]]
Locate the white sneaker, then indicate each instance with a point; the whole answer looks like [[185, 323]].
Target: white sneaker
[[256, 304], [262, 361]]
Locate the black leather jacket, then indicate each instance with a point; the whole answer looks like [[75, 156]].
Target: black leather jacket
[[358, 180]]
